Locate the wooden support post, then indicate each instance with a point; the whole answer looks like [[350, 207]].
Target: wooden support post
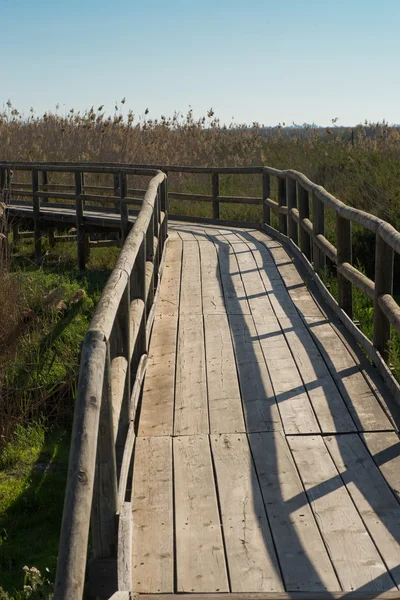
[[121, 331], [105, 492], [116, 188], [318, 227], [266, 193], [15, 234], [164, 207], [45, 182], [384, 265], [156, 221], [79, 222], [215, 194], [304, 213], [282, 202], [291, 200], [123, 207], [344, 254], [36, 215]]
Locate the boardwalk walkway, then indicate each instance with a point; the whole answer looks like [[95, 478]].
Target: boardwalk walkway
[[266, 457]]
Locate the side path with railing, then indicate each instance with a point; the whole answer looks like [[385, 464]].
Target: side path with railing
[[115, 347]]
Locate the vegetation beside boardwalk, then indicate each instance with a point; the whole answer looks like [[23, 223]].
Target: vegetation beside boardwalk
[[47, 307]]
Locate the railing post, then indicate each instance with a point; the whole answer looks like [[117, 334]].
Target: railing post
[[45, 183], [36, 215], [291, 201], [304, 213], [282, 202], [344, 254], [384, 265], [318, 227], [123, 207], [79, 221], [150, 258], [105, 492], [266, 193], [164, 208], [215, 194], [138, 291]]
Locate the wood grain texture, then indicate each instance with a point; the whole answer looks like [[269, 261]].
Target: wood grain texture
[[377, 505], [191, 303], [385, 450], [153, 553], [225, 405], [259, 404], [302, 555], [252, 561], [353, 553], [211, 286], [191, 410], [200, 560]]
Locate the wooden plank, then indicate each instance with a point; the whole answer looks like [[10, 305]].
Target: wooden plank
[[252, 562], [191, 410], [378, 507], [152, 505], [385, 450], [294, 406], [185, 235], [225, 405], [324, 395], [157, 411], [191, 281], [302, 555], [361, 402], [278, 596], [125, 526], [168, 301], [234, 295], [356, 559], [200, 560], [260, 409], [211, 286]]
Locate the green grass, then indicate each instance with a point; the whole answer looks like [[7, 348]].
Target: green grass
[[32, 487]]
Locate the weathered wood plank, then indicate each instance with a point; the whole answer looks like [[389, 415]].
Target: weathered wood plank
[[293, 402], [157, 411], [252, 562], [356, 595], [225, 405], [191, 303], [302, 555], [152, 505], [259, 404], [168, 301], [200, 561], [361, 402], [234, 295], [324, 395], [385, 450], [191, 410], [372, 497], [211, 286], [354, 555]]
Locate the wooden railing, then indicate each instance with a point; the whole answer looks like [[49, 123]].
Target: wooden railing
[[113, 364]]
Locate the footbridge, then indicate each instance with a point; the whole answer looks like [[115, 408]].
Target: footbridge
[[235, 433]]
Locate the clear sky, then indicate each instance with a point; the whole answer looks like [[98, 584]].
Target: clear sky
[[254, 60]]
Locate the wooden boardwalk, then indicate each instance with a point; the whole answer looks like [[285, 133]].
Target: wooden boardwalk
[[267, 459]]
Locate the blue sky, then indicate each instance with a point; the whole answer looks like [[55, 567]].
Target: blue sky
[[271, 62]]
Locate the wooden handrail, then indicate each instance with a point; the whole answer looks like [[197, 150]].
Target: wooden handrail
[[94, 494]]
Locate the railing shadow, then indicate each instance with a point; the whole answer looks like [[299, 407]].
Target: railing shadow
[[303, 566]]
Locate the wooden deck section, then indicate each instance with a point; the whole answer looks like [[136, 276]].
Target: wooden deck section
[[266, 458]]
